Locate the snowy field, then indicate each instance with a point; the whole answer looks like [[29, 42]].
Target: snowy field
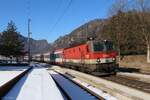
[[37, 85], [7, 73]]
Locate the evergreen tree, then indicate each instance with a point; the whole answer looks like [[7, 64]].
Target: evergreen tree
[[12, 45]]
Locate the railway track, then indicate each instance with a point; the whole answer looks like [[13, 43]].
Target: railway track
[[72, 90], [130, 82]]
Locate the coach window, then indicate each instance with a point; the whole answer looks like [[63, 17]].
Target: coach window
[[57, 56]]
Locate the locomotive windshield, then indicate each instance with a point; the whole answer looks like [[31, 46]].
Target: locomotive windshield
[[103, 46], [98, 46], [109, 46]]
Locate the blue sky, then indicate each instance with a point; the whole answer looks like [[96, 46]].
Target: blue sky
[[45, 13]]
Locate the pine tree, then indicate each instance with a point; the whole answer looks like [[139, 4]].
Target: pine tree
[[12, 45]]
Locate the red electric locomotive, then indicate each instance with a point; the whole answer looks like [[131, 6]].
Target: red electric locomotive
[[93, 57]]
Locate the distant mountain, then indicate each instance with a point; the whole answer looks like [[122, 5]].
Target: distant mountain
[[81, 34], [37, 46]]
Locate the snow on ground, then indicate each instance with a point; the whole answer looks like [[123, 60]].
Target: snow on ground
[[135, 75], [141, 77], [37, 85], [7, 73]]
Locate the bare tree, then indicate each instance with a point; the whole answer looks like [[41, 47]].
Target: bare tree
[[119, 5], [117, 8], [143, 7]]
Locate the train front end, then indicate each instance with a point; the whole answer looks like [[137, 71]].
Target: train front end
[[103, 57]]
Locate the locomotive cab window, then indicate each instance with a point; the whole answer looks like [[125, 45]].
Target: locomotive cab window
[[109, 45], [103, 46], [97, 46]]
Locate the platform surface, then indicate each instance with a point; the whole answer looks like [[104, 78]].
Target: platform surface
[[37, 85], [8, 73]]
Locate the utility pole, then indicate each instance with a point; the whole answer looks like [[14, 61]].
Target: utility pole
[[29, 33]]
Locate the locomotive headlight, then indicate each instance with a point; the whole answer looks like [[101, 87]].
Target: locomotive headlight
[[113, 59], [98, 60]]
